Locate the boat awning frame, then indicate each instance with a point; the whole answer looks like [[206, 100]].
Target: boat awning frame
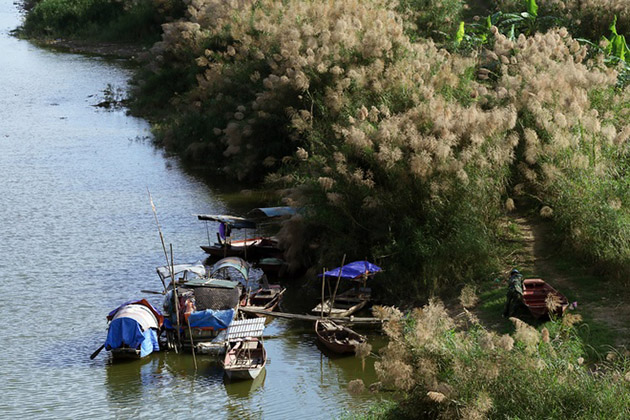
[[234, 222], [236, 263], [165, 271]]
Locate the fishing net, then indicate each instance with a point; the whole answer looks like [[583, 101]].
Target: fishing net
[[215, 298]]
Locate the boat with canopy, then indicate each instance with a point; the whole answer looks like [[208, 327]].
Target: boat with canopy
[[246, 356], [353, 299], [133, 330], [253, 248], [201, 303]]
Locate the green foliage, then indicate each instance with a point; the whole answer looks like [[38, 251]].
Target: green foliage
[[436, 19], [101, 20]]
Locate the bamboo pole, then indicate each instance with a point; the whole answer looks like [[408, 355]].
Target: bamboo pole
[[192, 344], [170, 266], [321, 314], [332, 300], [176, 298], [161, 237]]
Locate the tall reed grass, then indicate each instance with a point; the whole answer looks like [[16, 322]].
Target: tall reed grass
[[448, 368]]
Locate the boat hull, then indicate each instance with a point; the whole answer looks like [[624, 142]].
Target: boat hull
[[535, 295], [126, 354], [245, 359], [338, 339], [243, 374]]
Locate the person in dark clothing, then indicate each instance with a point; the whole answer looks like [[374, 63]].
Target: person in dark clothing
[[514, 294]]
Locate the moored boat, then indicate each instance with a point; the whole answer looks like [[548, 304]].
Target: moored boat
[[352, 300], [266, 298], [133, 330], [205, 305], [245, 359], [226, 245], [337, 338], [246, 356], [541, 298]]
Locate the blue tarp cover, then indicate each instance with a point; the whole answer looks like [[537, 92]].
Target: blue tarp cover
[[353, 270], [150, 343], [217, 320], [127, 331]]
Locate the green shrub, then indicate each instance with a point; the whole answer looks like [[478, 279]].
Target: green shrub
[[436, 19], [101, 20]]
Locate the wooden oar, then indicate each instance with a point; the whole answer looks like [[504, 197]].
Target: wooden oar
[[98, 350]]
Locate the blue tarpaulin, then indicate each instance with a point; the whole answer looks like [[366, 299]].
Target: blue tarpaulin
[[217, 320], [150, 343], [127, 331], [353, 270]]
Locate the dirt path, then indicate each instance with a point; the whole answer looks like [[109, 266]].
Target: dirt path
[[598, 298]]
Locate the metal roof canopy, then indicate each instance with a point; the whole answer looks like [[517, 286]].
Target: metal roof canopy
[[246, 328], [217, 283], [233, 221]]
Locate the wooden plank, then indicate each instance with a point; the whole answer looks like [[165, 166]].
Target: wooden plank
[[312, 318]]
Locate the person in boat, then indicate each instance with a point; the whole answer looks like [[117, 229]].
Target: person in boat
[[514, 296]]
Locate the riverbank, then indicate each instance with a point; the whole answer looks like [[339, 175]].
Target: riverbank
[[129, 52]]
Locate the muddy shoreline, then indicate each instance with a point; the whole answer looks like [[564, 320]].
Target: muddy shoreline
[[129, 52]]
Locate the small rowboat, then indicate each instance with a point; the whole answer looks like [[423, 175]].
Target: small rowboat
[[345, 304], [265, 298], [536, 294], [246, 356], [337, 338], [245, 359]]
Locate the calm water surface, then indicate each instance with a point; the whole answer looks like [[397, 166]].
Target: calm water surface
[[78, 238]]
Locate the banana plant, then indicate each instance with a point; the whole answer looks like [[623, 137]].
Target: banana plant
[[616, 45]]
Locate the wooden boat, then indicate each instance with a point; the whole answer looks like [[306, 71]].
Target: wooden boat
[[251, 248], [353, 300], [345, 304], [245, 359], [337, 338], [246, 356], [265, 298], [207, 303], [536, 293], [226, 246]]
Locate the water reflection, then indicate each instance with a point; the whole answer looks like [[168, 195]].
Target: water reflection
[[243, 390], [128, 380]]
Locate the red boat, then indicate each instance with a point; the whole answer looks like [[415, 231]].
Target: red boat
[[535, 295]]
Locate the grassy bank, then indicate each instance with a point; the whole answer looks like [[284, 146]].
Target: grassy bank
[[404, 135], [448, 367]]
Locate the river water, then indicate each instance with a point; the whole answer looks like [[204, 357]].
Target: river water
[[78, 238]]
